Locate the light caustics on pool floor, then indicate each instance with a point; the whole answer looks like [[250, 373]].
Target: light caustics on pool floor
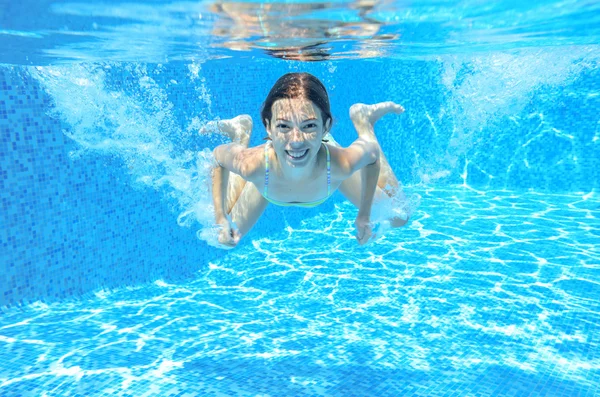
[[479, 286]]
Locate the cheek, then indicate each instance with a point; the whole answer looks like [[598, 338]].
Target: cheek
[[278, 141], [279, 136], [317, 136]]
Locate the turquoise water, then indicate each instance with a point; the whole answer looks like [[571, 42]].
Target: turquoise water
[[110, 281], [163, 31], [491, 297]]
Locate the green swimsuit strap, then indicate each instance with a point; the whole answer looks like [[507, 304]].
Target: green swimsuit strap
[[328, 171], [266, 190]]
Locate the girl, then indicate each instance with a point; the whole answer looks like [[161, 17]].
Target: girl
[[301, 164]]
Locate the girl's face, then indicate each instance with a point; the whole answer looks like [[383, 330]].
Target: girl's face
[[296, 130]]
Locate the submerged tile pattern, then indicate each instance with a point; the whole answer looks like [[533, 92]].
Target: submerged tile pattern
[[484, 294], [72, 224]]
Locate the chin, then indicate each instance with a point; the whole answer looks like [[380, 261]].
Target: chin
[[296, 164]]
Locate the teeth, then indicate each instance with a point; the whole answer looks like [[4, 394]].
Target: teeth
[[297, 154]]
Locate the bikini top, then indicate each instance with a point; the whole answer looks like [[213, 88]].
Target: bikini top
[[296, 204]]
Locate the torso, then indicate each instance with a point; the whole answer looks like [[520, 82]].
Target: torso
[[310, 190]]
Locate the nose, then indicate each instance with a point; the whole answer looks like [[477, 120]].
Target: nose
[[296, 138]]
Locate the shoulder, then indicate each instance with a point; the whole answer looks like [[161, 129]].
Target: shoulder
[[346, 161]]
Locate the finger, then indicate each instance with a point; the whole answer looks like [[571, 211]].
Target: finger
[[226, 238], [366, 238], [230, 243], [232, 237], [226, 241], [361, 238], [359, 234]]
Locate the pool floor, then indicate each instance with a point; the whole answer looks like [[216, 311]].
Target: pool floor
[[483, 293]]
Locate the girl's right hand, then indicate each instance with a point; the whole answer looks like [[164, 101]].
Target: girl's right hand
[[228, 235]]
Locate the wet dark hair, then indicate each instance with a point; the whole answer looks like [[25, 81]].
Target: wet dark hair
[[297, 85]]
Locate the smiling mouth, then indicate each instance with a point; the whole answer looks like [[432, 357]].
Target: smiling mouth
[[297, 154]]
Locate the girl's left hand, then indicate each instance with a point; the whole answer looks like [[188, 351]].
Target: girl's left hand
[[364, 229]]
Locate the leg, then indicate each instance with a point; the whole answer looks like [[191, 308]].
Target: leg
[[389, 188]]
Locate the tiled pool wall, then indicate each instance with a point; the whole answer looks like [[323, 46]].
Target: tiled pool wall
[[70, 226]]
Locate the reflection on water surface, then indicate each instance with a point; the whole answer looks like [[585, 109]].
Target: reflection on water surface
[[162, 31]]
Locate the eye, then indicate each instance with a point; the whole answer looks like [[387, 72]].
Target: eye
[[310, 126], [282, 126]]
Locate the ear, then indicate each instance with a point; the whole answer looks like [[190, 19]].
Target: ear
[[268, 127], [327, 125]]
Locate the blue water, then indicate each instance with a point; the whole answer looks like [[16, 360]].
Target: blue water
[[163, 31], [495, 297], [110, 284]]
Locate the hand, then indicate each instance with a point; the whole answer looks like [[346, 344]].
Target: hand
[[228, 235], [363, 229]]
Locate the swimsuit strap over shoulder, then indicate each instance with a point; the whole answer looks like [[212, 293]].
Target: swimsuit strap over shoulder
[[266, 170], [328, 171], [266, 190]]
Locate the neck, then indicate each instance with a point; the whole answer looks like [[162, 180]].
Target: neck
[[297, 173]]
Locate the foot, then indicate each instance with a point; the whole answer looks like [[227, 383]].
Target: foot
[[238, 129], [403, 208], [361, 113]]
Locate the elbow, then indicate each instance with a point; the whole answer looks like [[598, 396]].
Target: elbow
[[374, 154], [216, 155], [242, 167], [371, 151]]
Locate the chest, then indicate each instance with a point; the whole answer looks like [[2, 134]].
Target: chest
[[305, 191]]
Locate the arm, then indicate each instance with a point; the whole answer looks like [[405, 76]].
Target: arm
[[239, 160], [225, 156], [228, 160], [362, 155], [370, 176], [220, 177]]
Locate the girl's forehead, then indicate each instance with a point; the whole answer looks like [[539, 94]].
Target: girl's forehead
[[300, 108]]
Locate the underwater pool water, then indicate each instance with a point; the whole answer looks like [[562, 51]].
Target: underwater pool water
[[495, 299], [110, 282]]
